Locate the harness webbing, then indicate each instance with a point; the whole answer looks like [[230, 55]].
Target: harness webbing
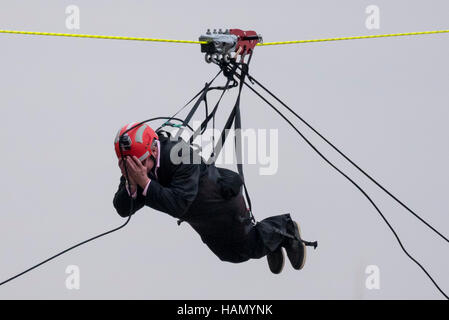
[[234, 118]]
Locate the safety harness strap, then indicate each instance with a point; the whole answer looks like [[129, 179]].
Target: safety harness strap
[[238, 139], [224, 134], [209, 116], [196, 105], [234, 118]]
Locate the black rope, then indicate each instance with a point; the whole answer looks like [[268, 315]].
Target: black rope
[[204, 91], [104, 233], [354, 183], [66, 250], [127, 179], [350, 161], [83, 242]]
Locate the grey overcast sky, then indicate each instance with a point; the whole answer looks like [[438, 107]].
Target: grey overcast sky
[[383, 101]]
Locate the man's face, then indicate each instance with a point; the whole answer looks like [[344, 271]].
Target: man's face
[[149, 162]]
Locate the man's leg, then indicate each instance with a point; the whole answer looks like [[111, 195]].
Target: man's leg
[[269, 236]]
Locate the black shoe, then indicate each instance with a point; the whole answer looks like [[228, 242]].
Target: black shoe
[[296, 250], [276, 260]]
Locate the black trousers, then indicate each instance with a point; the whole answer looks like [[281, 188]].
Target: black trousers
[[224, 224]]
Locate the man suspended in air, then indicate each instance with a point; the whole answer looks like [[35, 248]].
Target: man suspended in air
[[166, 174]]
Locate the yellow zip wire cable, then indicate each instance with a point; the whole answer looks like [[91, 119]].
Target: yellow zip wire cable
[[204, 42], [97, 36], [355, 38]]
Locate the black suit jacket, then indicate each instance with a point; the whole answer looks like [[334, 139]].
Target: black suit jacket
[[208, 198]]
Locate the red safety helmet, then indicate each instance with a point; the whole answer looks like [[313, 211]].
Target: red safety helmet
[[136, 142]]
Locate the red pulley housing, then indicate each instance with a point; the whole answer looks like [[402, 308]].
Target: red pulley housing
[[247, 40]]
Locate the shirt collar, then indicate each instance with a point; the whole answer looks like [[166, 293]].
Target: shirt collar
[[158, 161]]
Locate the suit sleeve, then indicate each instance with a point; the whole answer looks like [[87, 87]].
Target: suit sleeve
[[122, 200], [176, 198]]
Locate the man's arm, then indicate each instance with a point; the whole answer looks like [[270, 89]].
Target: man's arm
[[122, 200], [177, 197]]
